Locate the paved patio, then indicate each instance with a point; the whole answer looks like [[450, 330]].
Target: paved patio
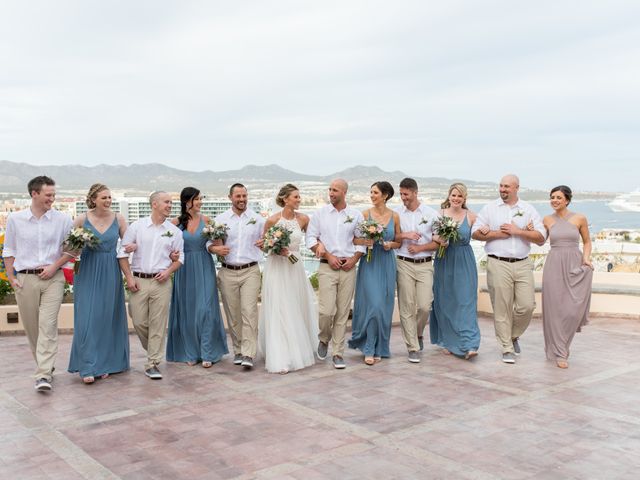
[[443, 418]]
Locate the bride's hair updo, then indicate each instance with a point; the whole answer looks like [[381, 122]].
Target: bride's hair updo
[[284, 192], [95, 189], [462, 188]]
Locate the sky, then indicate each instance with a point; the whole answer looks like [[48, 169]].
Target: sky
[[548, 89]]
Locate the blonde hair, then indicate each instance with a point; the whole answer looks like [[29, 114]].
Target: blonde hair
[[284, 192], [461, 187], [95, 189]]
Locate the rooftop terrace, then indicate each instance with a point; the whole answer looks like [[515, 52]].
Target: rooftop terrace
[[443, 418]]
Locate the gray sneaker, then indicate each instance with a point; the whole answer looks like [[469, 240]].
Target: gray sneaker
[[508, 357], [516, 346], [247, 362], [43, 385], [322, 350], [421, 343], [414, 357], [153, 373], [338, 362], [237, 359]]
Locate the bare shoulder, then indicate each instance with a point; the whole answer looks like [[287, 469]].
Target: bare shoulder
[[271, 221], [79, 220]]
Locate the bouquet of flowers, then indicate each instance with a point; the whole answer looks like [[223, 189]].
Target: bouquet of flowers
[[276, 239], [78, 239], [215, 231], [371, 230], [447, 229]]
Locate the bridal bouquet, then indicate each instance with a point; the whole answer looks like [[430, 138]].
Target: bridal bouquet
[[371, 230], [447, 229], [77, 239], [215, 231], [277, 239]]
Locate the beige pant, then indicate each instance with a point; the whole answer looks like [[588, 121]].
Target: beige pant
[[415, 295], [149, 310], [512, 291], [239, 290], [38, 304], [335, 294]]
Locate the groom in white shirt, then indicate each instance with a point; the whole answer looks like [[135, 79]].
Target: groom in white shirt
[[33, 246], [149, 276], [503, 225], [330, 236]]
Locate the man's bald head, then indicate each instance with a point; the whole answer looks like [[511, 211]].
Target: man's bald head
[[509, 186], [338, 192]]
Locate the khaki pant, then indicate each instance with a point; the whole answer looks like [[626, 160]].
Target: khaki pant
[[149, 310], [512, 291], [415, 295], [239, 290], [335, 294], [38, 304]]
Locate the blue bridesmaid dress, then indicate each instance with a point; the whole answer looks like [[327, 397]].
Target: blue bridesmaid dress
[[374, 299], [100, 333], [196, 331], [453, 323]]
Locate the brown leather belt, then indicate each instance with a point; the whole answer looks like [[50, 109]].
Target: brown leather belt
[[238, 267], [144, 275], [32, 271], [415, 260], [507, 259]]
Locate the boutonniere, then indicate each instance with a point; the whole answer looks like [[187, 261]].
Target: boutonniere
[[252, 221], [424, 221], [167, 234], [519, 213], [349, 219]]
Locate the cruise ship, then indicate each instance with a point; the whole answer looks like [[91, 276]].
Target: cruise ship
[[627, 202]]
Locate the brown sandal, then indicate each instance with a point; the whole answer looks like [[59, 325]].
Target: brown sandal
[[562, 364], [369, 360]]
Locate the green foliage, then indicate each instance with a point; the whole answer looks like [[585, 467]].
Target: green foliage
[[5, 289], [313, 278]]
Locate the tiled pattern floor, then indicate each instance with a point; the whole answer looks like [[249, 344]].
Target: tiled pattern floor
[[443, 418]]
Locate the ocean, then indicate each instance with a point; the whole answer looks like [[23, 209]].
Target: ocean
[[597, 213]]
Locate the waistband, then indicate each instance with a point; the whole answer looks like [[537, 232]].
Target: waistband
[[507, 259], [32, 271], [414, 260], [238, 267], [144, 275]]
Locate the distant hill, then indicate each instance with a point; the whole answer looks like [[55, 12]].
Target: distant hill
[[144, 178]]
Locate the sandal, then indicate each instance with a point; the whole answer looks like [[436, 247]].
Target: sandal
[[102, 377], [369, 360], [377, 359], [562, 364], [206, 364], [191, 364], [470, 354], [88, 380]]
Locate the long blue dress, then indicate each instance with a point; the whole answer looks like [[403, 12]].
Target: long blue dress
[[374, 299], [100, 332], [453, 323], [196, 331]]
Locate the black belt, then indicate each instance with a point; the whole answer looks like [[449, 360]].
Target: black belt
[[32, 271], [507, 259], [324, 260], [238, 267], [415, 260], [144, 275]]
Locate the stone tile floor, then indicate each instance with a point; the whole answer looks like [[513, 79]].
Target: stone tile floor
[[442, 418]]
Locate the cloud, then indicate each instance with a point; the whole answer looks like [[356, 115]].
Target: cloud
[[432, 88]]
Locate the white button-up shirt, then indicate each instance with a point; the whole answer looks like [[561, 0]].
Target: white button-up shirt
[[154, 245], [497, 213], [35, 242], [244, 231], [421, 221], [335, 229]]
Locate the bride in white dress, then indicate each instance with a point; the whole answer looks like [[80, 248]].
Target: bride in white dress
[[288, 326]]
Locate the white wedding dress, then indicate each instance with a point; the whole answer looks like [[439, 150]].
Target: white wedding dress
[[288, 327]]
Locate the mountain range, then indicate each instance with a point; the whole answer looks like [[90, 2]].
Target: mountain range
[[143, 178]]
